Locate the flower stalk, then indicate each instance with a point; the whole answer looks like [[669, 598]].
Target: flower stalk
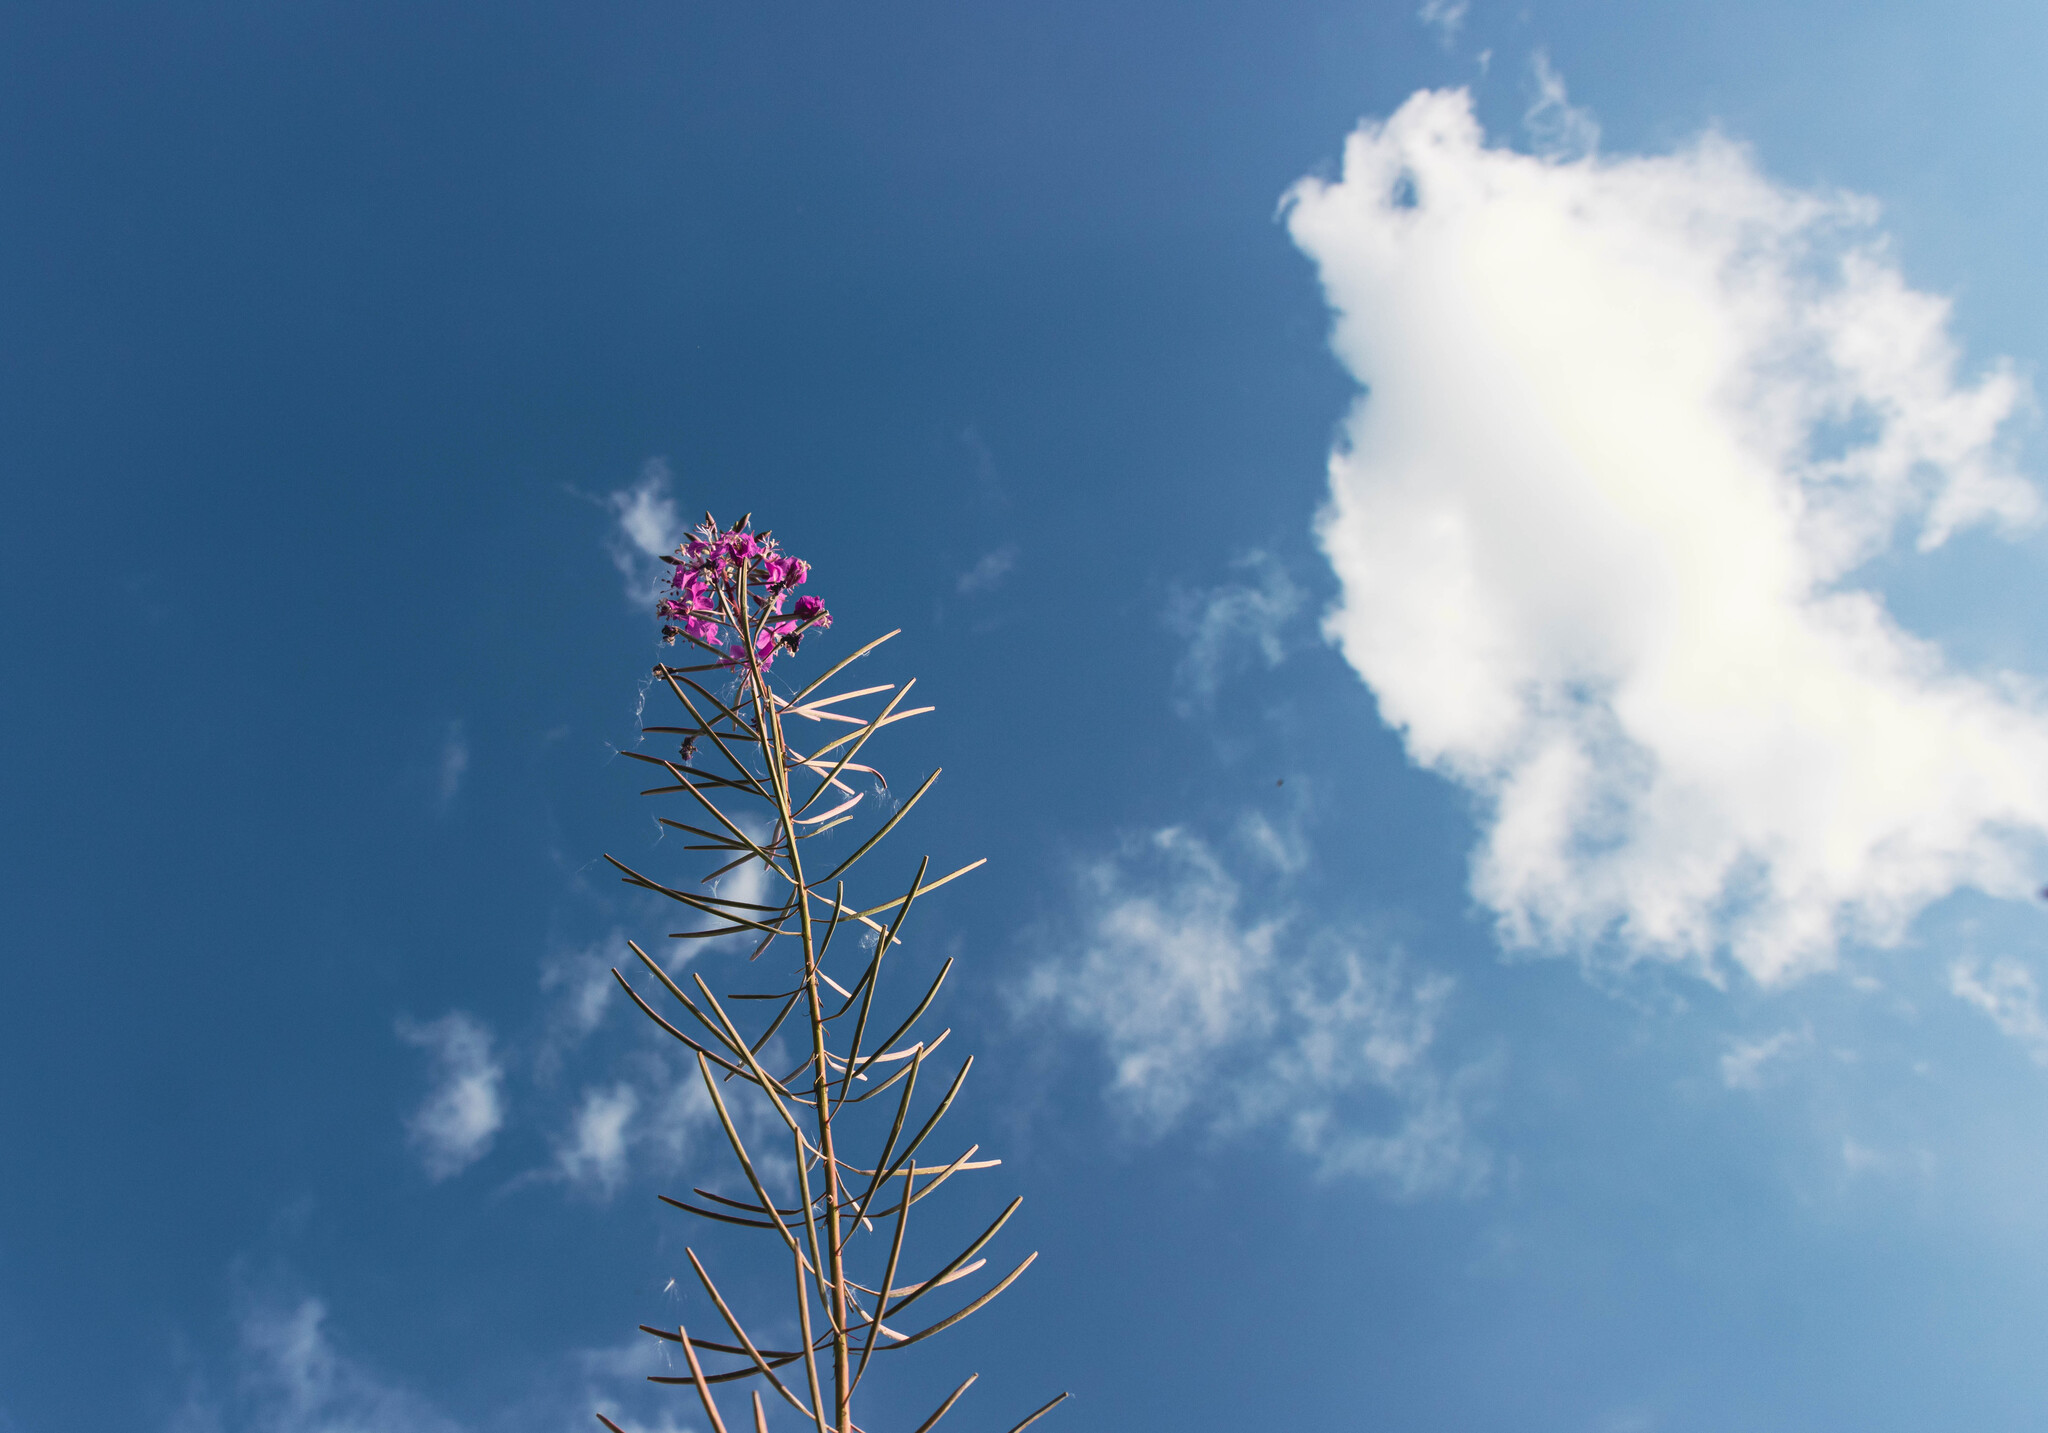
[[748, 785]]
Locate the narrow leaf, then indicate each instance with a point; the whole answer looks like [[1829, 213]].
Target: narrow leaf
[[697, 1375], [974, 866], [841, 665], [1041, 1413], [945, 1274], [979, 1304], [887, 826], [725, 1312], [922, 1006], [946, 1407], [656, 1018]]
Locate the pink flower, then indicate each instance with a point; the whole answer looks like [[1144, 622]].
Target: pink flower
[[786, 572], [721, 571], [764, 650]]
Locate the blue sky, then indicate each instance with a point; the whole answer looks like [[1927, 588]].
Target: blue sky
[[1481, 574]]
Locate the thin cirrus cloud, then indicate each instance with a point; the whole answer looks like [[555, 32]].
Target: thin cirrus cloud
[[644, 1123], [290, 1377], [581, 991], [988, 574], [1446, 17], [1214, 1012], [639, 1108], [1750, 1064], [648, 525], [454, 765], [1631, 426], [593, 1155], [1224, 625], [291, 1371], [455, 1125], [2005, 991]]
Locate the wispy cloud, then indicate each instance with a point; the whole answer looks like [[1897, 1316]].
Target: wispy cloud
[[1230, 625], [593, 1155], [291, 1371], [2007, 992], [1859, 1159], [1632, 426], [647, 526], [581, 989], [644, 1123], [625, 1365], [988, 574], [676, 1116], [292, 1378], [627, 1424], [641, 1105], [460, 1117], [454, 764], [1746, 1064], [1446, 17], [1558, 128], [988, 479], [1211, 1010]]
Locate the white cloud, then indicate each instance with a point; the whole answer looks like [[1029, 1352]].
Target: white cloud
[[454, 763], [1446, 17], [648, 526], [292, 1379], [1745, 1062], [676, 1117], [629, 1425], [988, 478], [1632, 425], [1370, 1024], [594, 1154], [1558, 128], [648, 1121], [580, 980], [987, 574], [1282, 847], [1860, 1159], [455, 1125], [1208, 1010], [650, 1106], [1169, 971], [2008, 993], [289, 1373], [1226, 625], [626, 1364]]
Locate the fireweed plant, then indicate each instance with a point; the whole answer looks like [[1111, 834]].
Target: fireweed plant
[[737, 773]]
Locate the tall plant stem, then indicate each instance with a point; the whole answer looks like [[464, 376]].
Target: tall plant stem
[[730, 589], [833, 1291]]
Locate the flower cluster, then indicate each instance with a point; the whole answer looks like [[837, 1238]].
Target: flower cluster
[[719, 575]]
